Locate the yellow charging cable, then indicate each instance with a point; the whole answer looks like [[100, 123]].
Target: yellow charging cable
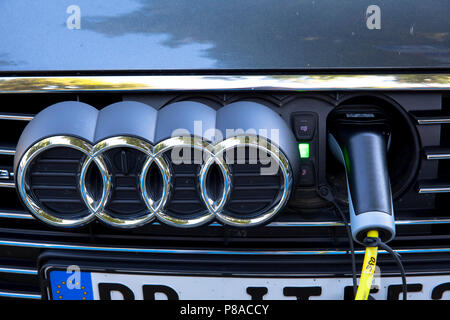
[[370, 261]]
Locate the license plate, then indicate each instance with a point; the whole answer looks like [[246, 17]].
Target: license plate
[[117, 286]]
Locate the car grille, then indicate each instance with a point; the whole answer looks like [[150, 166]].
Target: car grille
[[54, 180], [298, 240]]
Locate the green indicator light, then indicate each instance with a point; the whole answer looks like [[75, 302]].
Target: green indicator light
[[303, 148]]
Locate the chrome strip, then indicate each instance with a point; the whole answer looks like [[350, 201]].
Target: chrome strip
[[434, 189], [8, 152], [203, 251], [437, 156], [436, 153], [20, 295], [434, 121], [19, 271], [226, 82], [339, 224], [157, 250], [19, 117], [13, 215], [27, 216], [306, 224], [422, 221], [7, 185]]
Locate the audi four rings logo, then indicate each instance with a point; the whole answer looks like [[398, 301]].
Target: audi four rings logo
[[156, 207]]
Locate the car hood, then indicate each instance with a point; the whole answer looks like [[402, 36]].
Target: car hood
[[232, 35]]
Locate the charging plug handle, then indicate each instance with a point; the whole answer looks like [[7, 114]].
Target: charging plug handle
[[361, 144]]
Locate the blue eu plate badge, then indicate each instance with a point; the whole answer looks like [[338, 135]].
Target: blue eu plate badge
[[71, 286]]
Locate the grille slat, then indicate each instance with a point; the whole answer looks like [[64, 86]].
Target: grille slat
[[55, 200], [54, 187], [7, 151], [125, 201], [53, 174], [16, 116], [251, 191], [7, 185], [186, 199], [70, 161]]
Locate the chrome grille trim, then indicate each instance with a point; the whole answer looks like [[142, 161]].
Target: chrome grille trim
[[437, 153], [339, 224], [433, 121], [44, 245], [19, 117], [7, 185], [7, 152], [434, 189], [318, 82], [438, 156], [18, 271], [19, 295], [26, 216], [16, 215]]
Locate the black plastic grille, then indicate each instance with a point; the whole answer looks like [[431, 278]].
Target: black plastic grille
[[125, 165], [185, 198], [54, 178], [251, 191]]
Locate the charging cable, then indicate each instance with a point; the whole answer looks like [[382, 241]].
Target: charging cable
[[368, 269], [325, 192], [371, 242]]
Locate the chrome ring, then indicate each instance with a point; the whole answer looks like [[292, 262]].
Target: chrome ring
[[266, 146], [184, 142], [99, 207], [215, 206], [155, 205], [24, 189]]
